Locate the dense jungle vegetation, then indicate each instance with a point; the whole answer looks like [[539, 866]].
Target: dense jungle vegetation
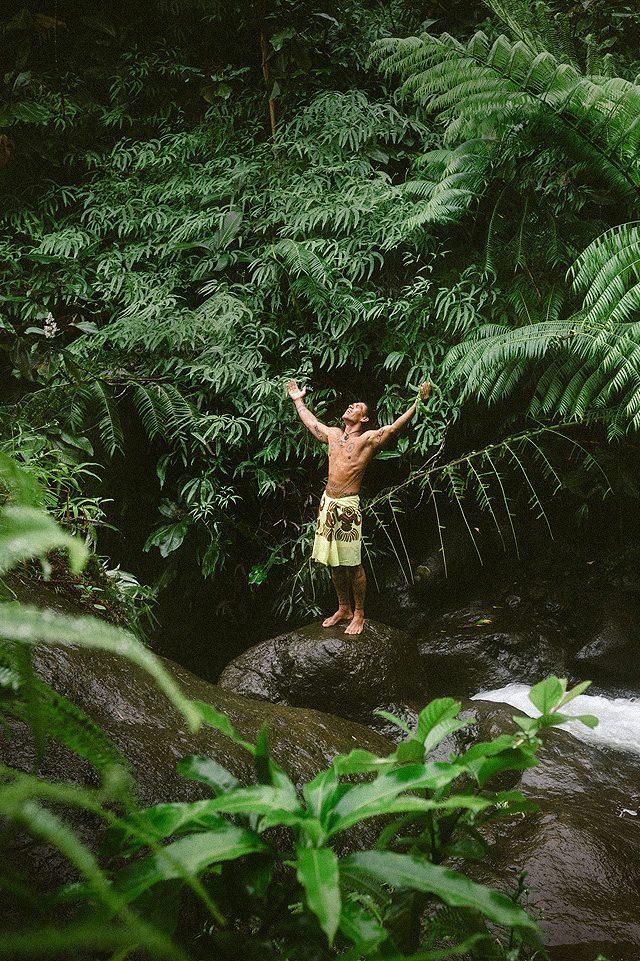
[[200, 200]]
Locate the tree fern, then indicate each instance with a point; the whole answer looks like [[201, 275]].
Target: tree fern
[[504, 80], [607, 274]]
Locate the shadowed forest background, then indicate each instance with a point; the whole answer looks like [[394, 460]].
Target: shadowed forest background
[[200, 200]]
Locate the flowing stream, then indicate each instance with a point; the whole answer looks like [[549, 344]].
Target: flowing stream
[[619, 717]]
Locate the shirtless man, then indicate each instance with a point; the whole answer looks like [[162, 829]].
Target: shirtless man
[[338, 539]]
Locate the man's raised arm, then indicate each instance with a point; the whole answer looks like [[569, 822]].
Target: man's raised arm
[[382, 436], [310, 421]]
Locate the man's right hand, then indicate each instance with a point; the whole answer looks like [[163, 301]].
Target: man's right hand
[[295, 392]]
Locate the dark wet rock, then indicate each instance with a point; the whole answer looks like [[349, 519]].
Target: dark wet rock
[[128, 705], [581, 851], [613, 650], [126, 702], [482, 647], [348, 675]]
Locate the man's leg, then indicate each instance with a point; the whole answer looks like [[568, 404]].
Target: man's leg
[[358, 586], [341, 584]]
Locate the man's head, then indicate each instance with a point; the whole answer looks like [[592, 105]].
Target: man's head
[[356, 414]]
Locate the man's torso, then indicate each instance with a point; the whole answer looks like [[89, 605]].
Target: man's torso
[[348, 460]]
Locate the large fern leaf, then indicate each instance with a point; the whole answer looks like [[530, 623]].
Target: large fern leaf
[[502, 81]]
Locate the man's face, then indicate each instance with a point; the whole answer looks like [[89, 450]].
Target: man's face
[[356, 413]]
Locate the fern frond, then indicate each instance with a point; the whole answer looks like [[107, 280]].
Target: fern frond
[[461, 178], [607, 273], [464, 83], [109, 424], [538, 26]]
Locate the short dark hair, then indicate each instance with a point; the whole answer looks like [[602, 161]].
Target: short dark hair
[[371, 410]]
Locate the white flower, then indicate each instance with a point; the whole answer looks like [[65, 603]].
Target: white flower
[[50, 326]]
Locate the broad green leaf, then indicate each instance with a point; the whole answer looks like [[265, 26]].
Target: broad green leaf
[[410, 750], [469, 848], [516, 760], [318, 873], [365, 931], [575, 692], [528, 724], [221, 723], [308, 825], [456, 890], [27, 532], [321, 793], [207, 771], [159, 822], [503, 742], [267, 770], [360, 761], [436, 713], [169, 537], [386, 787], [547, 694], [187, 856], [406, 803], [442, 730], [259, 799], [590, 720], [32, 625], [552, 720], [556, 719]]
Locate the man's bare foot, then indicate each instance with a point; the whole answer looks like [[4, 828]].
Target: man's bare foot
[[357, 624], [340, 615]]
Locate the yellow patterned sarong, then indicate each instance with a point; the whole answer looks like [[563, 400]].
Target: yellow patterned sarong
[[338, 540]]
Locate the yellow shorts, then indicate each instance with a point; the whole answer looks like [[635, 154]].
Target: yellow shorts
[[338, 540]]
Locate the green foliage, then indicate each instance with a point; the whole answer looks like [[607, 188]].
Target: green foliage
[[201, 233], [542, 86], [356, 900]]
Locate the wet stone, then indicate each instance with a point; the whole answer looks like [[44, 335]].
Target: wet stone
[[127, 704], [347, 675]]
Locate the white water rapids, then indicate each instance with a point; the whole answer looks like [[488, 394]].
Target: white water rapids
[[619, 717]]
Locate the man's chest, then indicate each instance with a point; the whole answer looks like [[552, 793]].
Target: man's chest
[[346, 451]]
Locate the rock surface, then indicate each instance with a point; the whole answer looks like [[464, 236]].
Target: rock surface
[[613, 649], [581, 851], [348, 675], [484, 646], [127, 704]]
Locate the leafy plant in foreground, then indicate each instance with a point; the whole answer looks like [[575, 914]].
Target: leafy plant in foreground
[[300, 895]]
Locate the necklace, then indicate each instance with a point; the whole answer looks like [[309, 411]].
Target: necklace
[[345, 437]]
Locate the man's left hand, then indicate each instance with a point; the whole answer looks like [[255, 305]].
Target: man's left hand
[[425, 391]]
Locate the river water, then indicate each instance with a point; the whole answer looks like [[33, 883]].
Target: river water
[[619, 717]]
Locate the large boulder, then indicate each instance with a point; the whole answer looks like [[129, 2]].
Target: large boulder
[[581, 851], [613, 648], [324, 668], [128, 705], [483, 645], [126, 702]]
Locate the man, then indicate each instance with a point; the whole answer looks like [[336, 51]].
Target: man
[[338, 539]]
